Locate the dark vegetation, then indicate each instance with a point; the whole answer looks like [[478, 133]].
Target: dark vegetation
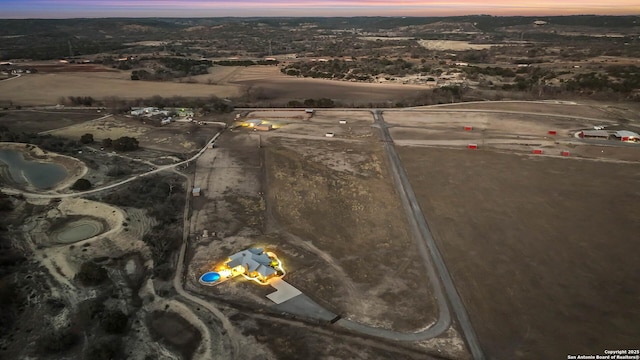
[[312, 103], [92, 274], [86, 139], [46, 142], [362, 70], [59, 341], [164, 200], [208, 105], [246, 62], [12, 294], [81, 185]]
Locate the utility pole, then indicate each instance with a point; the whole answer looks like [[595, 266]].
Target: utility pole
[[270, 50], [70, 50]]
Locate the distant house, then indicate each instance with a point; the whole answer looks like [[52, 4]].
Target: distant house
[[165, 121], [196, 191], [309, 111]]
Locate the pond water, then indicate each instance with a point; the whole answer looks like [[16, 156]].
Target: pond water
[[78, 230], [39, 174]]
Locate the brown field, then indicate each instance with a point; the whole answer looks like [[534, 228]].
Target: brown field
[[278, 86], [542, 250], [48, 88], [37, 121], [595, 110], [37, 89], [57, 68], [175, 137], [328, 209]]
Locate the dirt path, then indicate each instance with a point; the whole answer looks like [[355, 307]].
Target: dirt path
[[179, 278]]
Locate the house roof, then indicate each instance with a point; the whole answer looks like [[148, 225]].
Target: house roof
[[626, 133], [253, 259]]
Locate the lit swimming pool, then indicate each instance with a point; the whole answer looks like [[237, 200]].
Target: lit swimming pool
[[210, 277]]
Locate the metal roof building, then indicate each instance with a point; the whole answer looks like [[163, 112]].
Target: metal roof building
[[253, 259], [594, 134], [626, 135]]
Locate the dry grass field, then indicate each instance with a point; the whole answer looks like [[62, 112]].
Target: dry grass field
[[278, 86], [542, 250], [39, 89], [175, 137], [335, 198], [326, 207], [37, 121]]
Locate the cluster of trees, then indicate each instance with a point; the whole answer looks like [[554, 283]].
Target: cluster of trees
[[362, 70], [186, 67], [173, 67], [125, 143], [211, 104], [601, 82], [81, 185], [489, 70], [11, 298], [86, 139], [245, 62], [164, 200], [45, 142], [80, 100], [92, 274], [320, 103]]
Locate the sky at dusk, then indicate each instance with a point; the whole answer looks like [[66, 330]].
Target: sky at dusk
[[215, 8]]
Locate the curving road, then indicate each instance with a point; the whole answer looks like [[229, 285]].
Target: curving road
[[432, 256], [178, 277], [444, 289], [12, 191]]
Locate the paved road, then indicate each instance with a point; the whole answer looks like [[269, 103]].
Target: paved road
[[432, 256]]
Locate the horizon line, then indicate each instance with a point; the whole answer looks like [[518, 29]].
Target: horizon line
[[304, 16]]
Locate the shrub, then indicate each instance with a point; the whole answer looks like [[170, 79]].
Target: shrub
[[86, 139], [114, 322], [91, 274], [81, 185], [59, 341]]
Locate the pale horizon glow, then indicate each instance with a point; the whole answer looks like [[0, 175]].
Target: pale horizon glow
[[309, 8]]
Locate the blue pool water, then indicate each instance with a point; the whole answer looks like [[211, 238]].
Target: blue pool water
[[210, 277]]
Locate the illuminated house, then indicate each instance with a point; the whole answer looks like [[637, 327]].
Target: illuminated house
[[254, 264]]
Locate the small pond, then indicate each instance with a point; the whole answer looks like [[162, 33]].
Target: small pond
[[78, 230], [39, 174]]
